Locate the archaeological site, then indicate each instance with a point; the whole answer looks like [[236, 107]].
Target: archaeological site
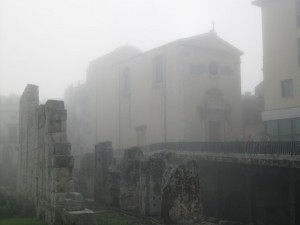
[[177, 182], [198, 125]]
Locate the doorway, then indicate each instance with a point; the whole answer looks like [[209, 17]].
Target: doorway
[[214, 131]]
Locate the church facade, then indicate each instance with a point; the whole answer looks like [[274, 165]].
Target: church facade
[[187, 90]]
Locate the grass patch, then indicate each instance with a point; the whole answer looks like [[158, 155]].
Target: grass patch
[[16, 210], [21, 221], [118, 218], [113, 216]]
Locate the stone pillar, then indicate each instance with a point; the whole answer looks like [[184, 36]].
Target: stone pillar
[[56, 162], [28, 141], [45, 167], [130, 173], [106, 189], [152, 176]]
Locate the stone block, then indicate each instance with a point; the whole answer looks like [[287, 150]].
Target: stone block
[[62, 161], [134, 153], [58, 137], [61, 186], [62, 149], [41, 116], [73, 205], [75, 196], [211, 220], [54, 126], [54, 104], [228, 222], [59, 199], [83, 217], [61, 178], [54, 114]]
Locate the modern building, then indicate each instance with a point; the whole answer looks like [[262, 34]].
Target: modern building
[[187, 90], [281, 68]]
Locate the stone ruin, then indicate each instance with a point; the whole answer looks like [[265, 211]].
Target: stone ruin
[[149, 185], [182, 187], [46, 163], [179, 187]]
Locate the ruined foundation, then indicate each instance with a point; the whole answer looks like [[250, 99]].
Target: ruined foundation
[[148, 185], [208, 185]]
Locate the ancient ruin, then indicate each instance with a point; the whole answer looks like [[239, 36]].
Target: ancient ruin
[[203, 183], [46, 163], [182, 183]]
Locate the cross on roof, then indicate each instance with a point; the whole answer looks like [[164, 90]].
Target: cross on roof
[[213, 25]]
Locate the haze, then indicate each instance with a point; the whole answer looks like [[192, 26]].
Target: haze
[[50, 43]]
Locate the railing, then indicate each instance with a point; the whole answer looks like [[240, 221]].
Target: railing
[[273, 148]]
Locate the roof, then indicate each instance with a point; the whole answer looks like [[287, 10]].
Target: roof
[[119, 54], [210, 40], [260, 2]]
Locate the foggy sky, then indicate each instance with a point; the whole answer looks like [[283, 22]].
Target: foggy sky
[[51, 42]]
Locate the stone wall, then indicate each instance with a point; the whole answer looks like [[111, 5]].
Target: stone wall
[[45, 162], [190, 188], [148, 184]]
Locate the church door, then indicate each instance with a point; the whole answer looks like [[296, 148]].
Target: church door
[[214, 131]]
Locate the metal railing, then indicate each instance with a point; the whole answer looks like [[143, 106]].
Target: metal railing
[[273, 148]]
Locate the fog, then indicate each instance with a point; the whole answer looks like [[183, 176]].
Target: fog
[[158, 123], [50, 43]]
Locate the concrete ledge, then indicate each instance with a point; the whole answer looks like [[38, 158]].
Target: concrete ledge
[[82, 217]]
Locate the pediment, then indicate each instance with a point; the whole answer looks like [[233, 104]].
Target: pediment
[[211, 41]]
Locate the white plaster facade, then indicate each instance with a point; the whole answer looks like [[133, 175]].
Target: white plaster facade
[[187, 90], [281, 68]]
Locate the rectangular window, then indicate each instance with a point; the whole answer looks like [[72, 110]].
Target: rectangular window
[[272, 128], [285, 127], [158, 70], [296, 129], [287, 89], [285, 130], [296, 126], [125, 81]]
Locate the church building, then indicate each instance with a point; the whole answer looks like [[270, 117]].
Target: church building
[[188, 90]]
